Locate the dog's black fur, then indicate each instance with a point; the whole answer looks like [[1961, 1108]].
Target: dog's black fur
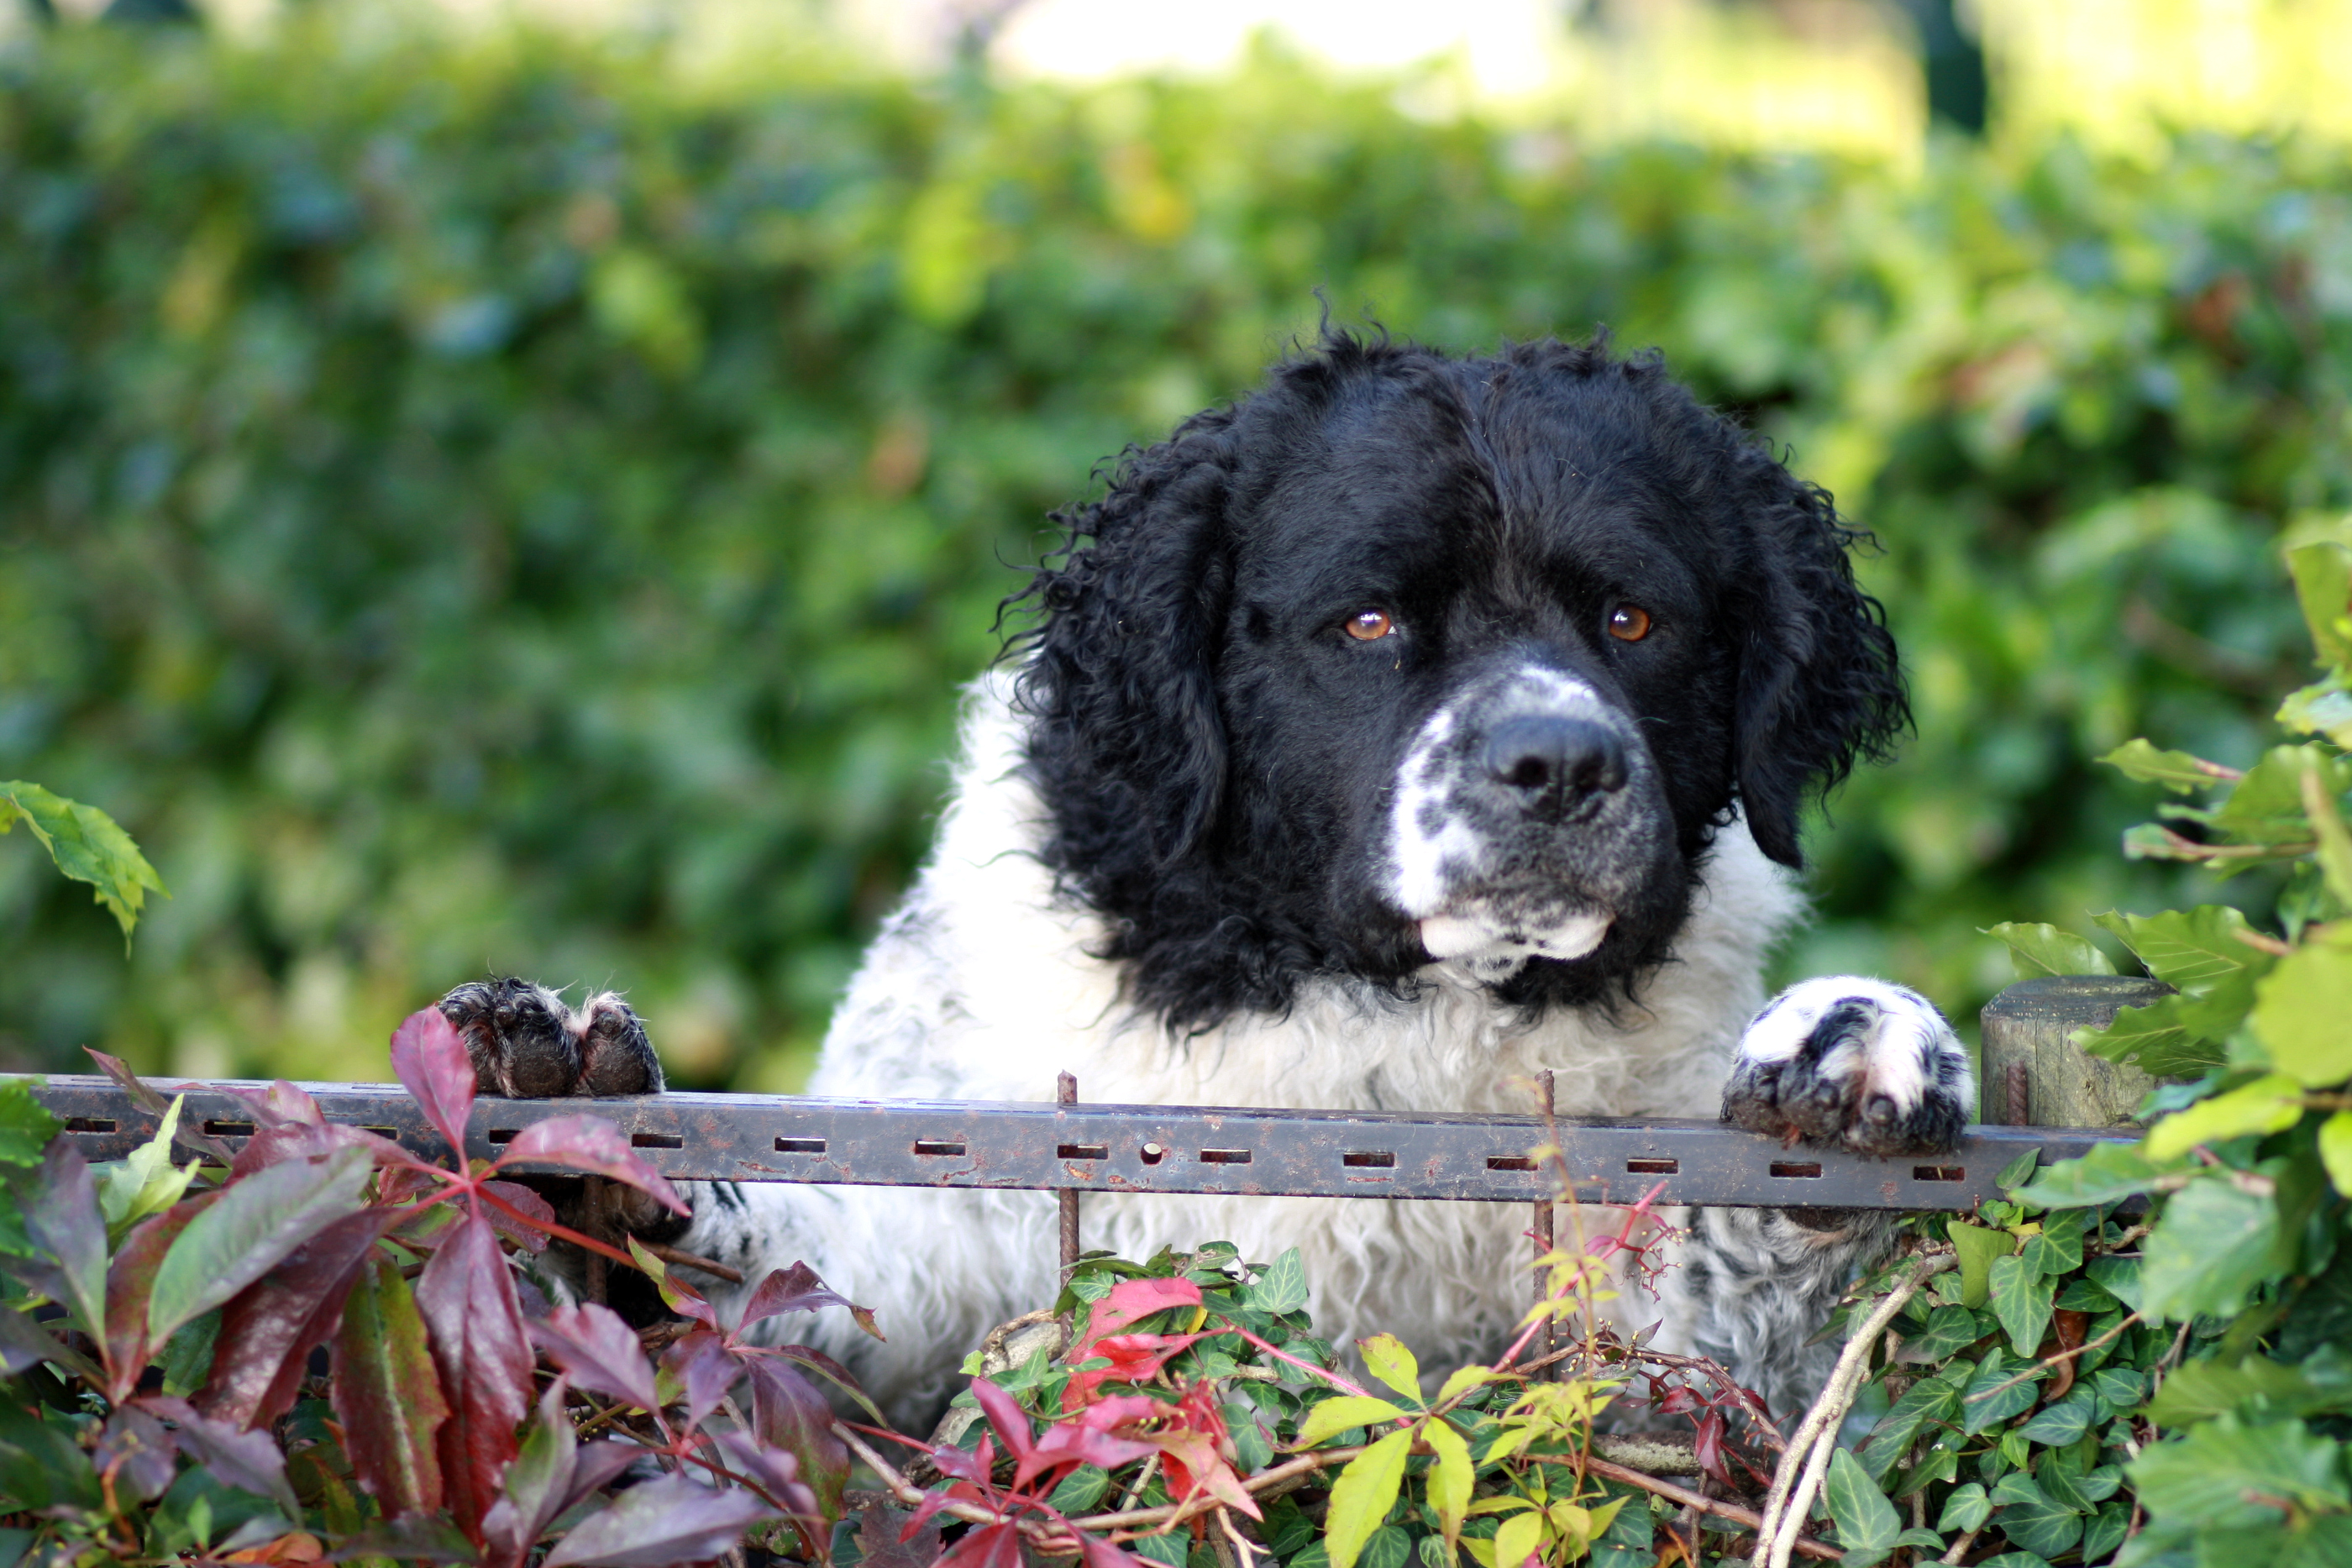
[[1213, 748]]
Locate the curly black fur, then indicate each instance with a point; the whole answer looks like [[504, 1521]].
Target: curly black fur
[[1211, 756]]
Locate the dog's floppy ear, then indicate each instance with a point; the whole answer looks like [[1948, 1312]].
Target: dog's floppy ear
[[1818, 684], [1128, 748]]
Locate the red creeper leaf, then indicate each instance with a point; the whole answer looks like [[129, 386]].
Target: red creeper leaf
[[467, 1300], [430, 1060], [268, 1329], [673, 1519], [592, 1144], [788, 1413], [598, 1352], [387, 1393], [798, 1290]]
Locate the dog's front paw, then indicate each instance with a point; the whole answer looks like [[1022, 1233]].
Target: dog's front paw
[[527, 1045], [1860, 1063]]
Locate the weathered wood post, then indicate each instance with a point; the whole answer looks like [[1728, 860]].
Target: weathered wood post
[[2034, 1074]]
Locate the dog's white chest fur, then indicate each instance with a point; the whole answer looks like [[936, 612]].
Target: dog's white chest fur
[[984, 985]]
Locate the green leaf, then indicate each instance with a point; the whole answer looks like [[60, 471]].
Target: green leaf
[[2301, 1010], [1981, 1408], [2268, 1104], [1950, 1329], [1386, 1358], [2159, 1036], [2103, 1533], [2191, 948], [2322, 570], [1344, 1414], [86, 845], [2269, 807], [1281, 1288], [2254, 1386], [2324, 708], [1966, 1509], [2019, 1171], [1517, 1541], [2064, 1421], [2044, 949], [1866, 1523], [2322, 782], [2106, 1172], [1450, 1479], [2021, 1300], [2032, 1518], [25, 1124], [2215, 1475], [145, 1182], [2057, 1247], [2119, 1276], [2210, 1247], [1978, 1247], [1360, 1498], [2176, 770], [1929, 1399], [248, 1230], [2335, 1150]]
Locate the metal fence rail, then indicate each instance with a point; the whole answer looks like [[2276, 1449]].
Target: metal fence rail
[[1147, 1148]]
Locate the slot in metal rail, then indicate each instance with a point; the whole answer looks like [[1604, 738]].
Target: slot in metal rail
[[1147, 1149]]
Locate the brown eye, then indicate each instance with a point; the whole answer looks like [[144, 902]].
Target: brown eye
[[1629, 623], [1369, 625]]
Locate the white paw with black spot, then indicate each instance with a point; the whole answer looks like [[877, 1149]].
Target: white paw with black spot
[[1854, 1062]]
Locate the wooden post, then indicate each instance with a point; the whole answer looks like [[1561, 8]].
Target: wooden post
[[2034, 1074], [1065, 1093]]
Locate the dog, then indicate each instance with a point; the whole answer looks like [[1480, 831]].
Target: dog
[[1409, 724]]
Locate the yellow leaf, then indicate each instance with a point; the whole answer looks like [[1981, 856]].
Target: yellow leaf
[[1449, 1479], [1511, 1440], [1467, 1378], [1386, 1358], [1499, 1505], [1481, 1552], [2268, 1104], [1344, 1414], [2335, 1150], [1361, 1496], [1519, 1539]]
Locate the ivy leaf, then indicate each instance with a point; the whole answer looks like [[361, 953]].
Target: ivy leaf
[[1966, 1509], [2300, 1008], [2268, 1104], [2032, 1518], [2057, 1248], [1950, 1329], [1978, 1247], [2209, 1249], [88, 845], [1360, 1499], [2046, 949], [1866, 1523], [2021, 1300], [1344, 1414], [1281, 1288], [2176, 770], [2104, 1534], [1386, 1358], [1929, 1399], [2064, 1421], [1981, 1408]]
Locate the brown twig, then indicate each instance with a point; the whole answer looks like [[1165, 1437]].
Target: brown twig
[[2050, 1361], [1674, 1493], [676, 1258]]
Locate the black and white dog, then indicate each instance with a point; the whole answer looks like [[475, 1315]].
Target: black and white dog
[[1410, 726]]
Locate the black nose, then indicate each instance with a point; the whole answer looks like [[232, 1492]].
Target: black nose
[[1555, 763]]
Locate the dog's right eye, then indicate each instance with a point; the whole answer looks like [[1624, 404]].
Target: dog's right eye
[[1370, 625]]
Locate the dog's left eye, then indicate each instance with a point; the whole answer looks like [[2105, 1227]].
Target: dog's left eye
[[1370, 625], [1629, 623]]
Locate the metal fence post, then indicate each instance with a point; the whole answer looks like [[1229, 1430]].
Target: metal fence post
[[2034, 1073], [1543, 1225], [1065, 1093]]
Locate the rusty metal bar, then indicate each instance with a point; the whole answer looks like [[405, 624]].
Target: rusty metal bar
[[1065, 1093], [1150, 1148], [1545, 1107]]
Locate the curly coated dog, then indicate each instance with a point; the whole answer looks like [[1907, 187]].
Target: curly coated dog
[[1409, 726]]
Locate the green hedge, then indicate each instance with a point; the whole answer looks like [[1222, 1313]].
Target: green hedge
[[472, 506]]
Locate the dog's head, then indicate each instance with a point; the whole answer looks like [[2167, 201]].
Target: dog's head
[[1406, 659]]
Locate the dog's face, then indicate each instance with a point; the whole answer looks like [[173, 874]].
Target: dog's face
[[1408, 660]]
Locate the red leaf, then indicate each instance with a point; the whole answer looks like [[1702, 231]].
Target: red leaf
[[250, 1461], [788, 1413], [467, 1300], [989, 1546], [1087, 1440], [387, 1393], [430, 1060], [592, 1144], [282, 1104], [673, 1519], [130, 1282], [798, 1290], [1005, 1413], [268, 1329], [1101, 1553], [297, 1140], [774, 1470], [598, 1352], [706, 1369], [139, 1452], [1135, 1358], [531, 1236], [1132, 1299]]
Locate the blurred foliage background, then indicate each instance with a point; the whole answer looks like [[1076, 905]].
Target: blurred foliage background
[[499, 497]]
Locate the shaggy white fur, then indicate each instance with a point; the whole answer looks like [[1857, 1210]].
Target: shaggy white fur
[[983, 986]]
